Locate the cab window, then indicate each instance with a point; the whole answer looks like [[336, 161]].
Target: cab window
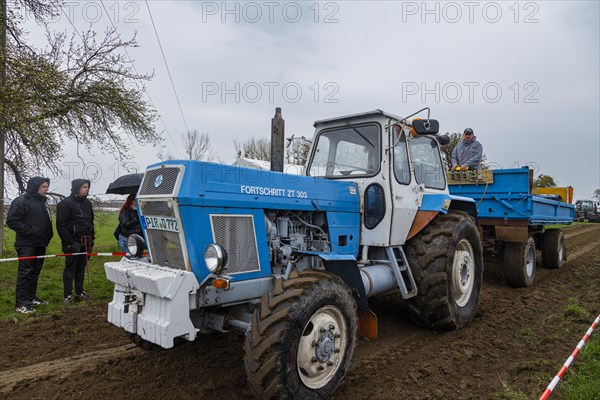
[[401, 165], [350, 151], [427, 162]]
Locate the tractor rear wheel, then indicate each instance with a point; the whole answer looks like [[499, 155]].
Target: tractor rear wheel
[[554, 253], [519, 263], [446, 259], [302, 338]]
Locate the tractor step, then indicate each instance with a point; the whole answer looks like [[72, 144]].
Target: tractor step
[[402, 272]]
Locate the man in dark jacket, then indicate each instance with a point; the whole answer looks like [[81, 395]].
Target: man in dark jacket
[[29, 217], [468, 152], [75, 226]]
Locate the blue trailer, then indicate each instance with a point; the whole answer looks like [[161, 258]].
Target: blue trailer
[[513, 220]]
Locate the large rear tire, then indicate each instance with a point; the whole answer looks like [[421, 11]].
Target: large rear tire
[[446, 259], [519, 263], [302, 338], [554, 253]]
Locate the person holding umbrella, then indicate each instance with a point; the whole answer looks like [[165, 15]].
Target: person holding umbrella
[[129, 222]]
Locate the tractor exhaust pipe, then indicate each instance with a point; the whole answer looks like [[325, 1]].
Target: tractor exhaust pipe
[[277, 141], [378, 279]]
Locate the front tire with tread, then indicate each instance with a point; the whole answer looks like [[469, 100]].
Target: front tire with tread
[[446, 259], [302, 338]]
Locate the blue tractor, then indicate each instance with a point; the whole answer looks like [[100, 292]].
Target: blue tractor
[[291, 260]]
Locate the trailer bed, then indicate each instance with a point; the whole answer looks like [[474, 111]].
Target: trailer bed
[[504, 196]]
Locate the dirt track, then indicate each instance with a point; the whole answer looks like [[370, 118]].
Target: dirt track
[[517, 337]]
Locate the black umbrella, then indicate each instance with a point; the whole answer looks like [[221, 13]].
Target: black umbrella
[[126, 184]]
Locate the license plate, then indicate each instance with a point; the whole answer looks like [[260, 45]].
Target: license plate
[[162, 223]]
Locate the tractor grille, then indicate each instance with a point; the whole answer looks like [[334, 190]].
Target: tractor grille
[[156, 208], [166, 248], [235, 234], [167, 182]]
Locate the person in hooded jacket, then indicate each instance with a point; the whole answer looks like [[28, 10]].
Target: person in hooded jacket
[[129, 222], [29, 217], [75, 226], [468, 152]]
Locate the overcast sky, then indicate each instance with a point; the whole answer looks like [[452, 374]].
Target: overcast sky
[[523, 75]]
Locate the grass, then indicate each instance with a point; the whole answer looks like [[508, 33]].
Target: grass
[[50, 286], [562, 226], [508, 393], [575, 312], [528, 336], [582, 380]]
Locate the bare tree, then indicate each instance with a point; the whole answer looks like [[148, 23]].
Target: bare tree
[[163, 156], [197, 146], [297, 150], [256, 148]]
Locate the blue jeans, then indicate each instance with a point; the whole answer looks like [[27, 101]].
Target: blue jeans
[[123, 243]]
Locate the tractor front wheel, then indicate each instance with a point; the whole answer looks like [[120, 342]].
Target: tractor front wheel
[[302, 338]]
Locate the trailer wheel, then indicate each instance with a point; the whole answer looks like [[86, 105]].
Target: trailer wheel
[[446, 259], [302, 338], [519, 263], [554, 253]]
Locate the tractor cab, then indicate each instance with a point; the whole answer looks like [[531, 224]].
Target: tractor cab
[[397, 165]]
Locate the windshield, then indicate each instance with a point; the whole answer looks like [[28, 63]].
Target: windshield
[[348, 151], [427, 162]]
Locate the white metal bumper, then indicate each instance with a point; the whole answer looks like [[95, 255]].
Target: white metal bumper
[[152, 301]]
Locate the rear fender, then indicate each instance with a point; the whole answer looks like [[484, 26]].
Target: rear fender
[[435, 203]]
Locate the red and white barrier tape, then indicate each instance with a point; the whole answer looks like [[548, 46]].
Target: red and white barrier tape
[[113, 254], [567, 363]]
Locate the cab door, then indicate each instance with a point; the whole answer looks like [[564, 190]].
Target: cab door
[[406, 193]]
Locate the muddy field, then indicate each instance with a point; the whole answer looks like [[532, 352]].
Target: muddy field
[[519, 338]]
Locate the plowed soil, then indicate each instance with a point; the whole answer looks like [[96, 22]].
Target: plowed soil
[[519, 338]]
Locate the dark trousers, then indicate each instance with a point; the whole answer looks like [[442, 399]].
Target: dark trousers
[[74, 270], [28, 273]]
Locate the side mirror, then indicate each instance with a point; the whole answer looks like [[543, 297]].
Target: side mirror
[[426, 126], [444, 139]]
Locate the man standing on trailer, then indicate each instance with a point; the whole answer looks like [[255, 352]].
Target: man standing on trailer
[[29, 217], [468, 152]]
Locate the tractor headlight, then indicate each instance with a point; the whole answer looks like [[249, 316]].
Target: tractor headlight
[[135, 245], [215, 258]]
